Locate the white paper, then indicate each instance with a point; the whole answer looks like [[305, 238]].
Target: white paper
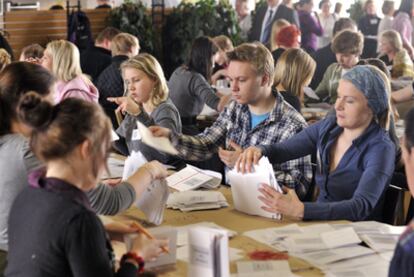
[[191, 177], [114, 135], [277, 268], [182, 236], [115, 168], [381, 242], [196, 200], [132, 163], [245, 188], [152, 201], [309, 92], [160, 143], [234, 253], [346, 236]]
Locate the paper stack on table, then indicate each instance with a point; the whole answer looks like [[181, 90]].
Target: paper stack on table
[[187, 201], [263, 269], [191, 177], [182, 236], [245, 188]]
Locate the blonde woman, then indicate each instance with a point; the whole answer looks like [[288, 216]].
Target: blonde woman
[[294, 71], [61, 58], [146, 101], [394, 55], [5, 58], [276, 27]]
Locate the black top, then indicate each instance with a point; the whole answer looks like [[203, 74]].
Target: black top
[[54, 232], [385, 59], [368, 25], [277, 53], [323, 57], [94, 60], [293, 100]]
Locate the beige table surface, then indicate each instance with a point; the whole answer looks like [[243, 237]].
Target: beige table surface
[[233, 220]]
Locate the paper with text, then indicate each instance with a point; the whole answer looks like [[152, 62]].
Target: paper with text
[[160, 143]]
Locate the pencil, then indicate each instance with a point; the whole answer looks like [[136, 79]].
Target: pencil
[[148, 235]]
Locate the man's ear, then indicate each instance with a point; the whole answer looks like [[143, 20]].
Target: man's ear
[[266, 81]]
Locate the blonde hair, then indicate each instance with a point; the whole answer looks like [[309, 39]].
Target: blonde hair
[[5, 58], [257, 55], [122, 44], [152, 68], [394, 39], [224, 43], [65, 60], [293, 69], [276, 27]]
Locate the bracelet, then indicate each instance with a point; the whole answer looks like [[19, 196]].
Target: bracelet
[[133, 256]]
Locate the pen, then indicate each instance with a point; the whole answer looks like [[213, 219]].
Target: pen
[[148, 235]]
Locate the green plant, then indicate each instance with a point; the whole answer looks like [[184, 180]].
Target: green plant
[[133, 18], [356, 10], [189, 21]]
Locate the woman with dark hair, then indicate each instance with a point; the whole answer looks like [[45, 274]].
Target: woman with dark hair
[[66, 238], [310, 26], [402, 24], [189, 85]]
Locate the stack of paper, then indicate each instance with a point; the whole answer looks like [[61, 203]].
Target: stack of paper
[[187, 201], [191, 177], [263, 269], [245, 188], [234, 253]]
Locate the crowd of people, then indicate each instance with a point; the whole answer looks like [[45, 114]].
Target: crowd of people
[[58, 108]]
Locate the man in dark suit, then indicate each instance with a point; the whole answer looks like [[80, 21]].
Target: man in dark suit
[[266, 15], [324, 56]]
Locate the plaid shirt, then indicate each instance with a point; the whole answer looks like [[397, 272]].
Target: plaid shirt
[[234, 124]]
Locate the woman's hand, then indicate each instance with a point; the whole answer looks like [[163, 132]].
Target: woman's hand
[[158, 131], [287, 204], [248, 158], [229, 157], [148, 249], [156, 170], [126, 104]]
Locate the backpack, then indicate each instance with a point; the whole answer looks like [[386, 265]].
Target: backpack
[[79, 30]]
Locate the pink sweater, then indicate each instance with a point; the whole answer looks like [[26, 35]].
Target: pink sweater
[[78, 87], [402, 24]]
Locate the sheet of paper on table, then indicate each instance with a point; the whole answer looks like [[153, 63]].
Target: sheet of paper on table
[[187, 201], [160, 143], [191, 177], [234, 253], [263, 269], [245, 188]]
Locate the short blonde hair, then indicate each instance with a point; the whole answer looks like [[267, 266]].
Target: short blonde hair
[[122, 44], [393, 38], [152, 68], [293, 69], [276, 27], [257, 55], [224, 43], [5, 58], [65, 60]]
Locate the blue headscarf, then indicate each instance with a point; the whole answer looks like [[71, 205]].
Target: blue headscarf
[[369, 81]]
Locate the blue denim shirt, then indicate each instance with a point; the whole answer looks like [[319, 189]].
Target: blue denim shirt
[[354, 190]]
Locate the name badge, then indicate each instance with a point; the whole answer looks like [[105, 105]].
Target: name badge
[[136, 135], [374, 21]]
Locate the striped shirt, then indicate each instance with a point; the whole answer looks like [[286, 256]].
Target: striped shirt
[[234, 124]]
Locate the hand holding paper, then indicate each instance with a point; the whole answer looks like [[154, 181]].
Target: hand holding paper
[[159, 142]]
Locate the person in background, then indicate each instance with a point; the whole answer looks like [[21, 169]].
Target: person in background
[[288, 37], [189, 85], [368, 23], [324, 57], [386, 22], [258, 116], [327, 21], [147, 102], [5, 45], [276, 27], [224, 45], [309, 26], [403, 95], [244, 18], [98, 57], [266, 15], [5, 58], [103, 4], [61, 57], [402, 261], [403, 25], [338, 9], [356, 135], [32, 53], [294, 71], [110, 83], [65, 231], [347, 46], [394, 55]]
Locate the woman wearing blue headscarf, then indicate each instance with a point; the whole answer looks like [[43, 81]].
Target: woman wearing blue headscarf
[[354, 154]]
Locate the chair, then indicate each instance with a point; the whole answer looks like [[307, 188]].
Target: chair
[[393, 211]]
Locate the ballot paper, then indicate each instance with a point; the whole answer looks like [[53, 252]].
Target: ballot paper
[[114, 135], [183, 251], [381, 242], [245, 188], [160, 143], [191, 177], [208, 253], [187, 201], [182, 231], [132, 163], [115, 168], [164, 232], [378, 269], [263, 268], [309, 92]]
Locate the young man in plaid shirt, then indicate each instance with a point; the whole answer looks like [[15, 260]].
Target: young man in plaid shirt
[[258, 116]]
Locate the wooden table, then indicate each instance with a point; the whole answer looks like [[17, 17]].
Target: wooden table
[[233, 220]]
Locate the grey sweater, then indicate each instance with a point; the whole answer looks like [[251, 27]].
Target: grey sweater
[[189, 91], [17, 160], [165, 115]]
